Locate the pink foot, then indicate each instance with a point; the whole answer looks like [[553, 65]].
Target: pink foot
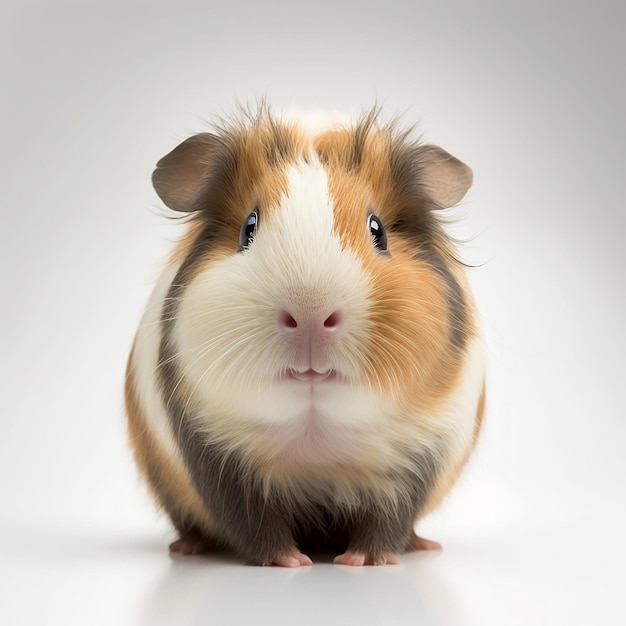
[[293, 559], [193, 544], [358, 559], [419, 543]]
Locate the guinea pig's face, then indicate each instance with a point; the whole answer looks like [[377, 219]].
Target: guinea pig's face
[[314, 279]]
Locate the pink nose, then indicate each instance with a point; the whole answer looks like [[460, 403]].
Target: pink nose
[[322, 325], [311, 335]]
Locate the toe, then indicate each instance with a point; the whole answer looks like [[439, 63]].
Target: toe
[[293, 559], [358, 559], [354, 559]]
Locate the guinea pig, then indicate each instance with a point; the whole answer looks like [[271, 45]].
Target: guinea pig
[[308, 374]]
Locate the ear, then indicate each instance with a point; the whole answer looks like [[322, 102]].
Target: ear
[[445, 178], [181, 177]]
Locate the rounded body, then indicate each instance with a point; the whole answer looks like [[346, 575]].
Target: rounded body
[[308, 371]]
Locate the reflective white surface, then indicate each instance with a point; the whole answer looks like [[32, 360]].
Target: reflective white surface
[[532, 97], [552, 574]]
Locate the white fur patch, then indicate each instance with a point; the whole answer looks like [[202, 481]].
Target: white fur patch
[[145, 361]]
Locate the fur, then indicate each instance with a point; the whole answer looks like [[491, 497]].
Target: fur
[[208, 394]]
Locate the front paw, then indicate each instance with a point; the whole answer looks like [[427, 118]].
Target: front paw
[[274, 554], [295, 558]]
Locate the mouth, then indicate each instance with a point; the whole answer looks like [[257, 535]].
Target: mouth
[[312, 376]]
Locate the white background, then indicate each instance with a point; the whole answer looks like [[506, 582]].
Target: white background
[[531, 95]]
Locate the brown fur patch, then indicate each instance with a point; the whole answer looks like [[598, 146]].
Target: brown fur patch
[[168, 481]]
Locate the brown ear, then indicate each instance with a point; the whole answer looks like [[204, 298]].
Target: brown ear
[[445, 178], [182, 176]]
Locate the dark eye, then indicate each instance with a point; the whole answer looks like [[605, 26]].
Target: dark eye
[[248, 230], [377, 231]]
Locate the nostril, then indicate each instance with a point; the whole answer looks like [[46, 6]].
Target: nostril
[[333, 321], [287, 320]]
